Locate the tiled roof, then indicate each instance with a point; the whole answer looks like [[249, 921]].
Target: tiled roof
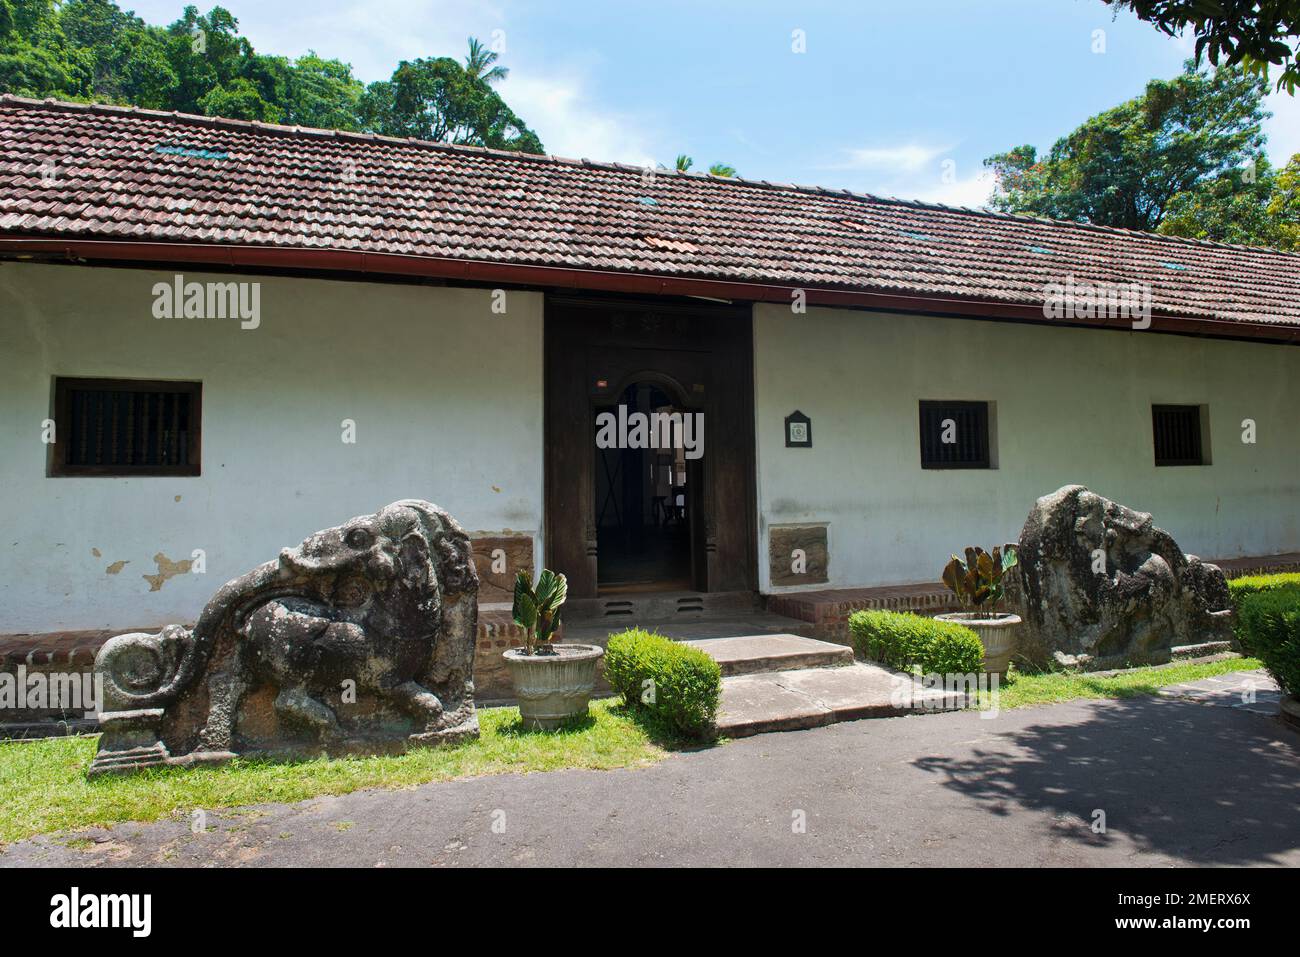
[[114, 173]]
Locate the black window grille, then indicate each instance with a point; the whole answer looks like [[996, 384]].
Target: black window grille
[[1177, 432], [126, 427], [955, 435]]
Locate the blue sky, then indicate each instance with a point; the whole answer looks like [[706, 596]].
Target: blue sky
[[902, 99]]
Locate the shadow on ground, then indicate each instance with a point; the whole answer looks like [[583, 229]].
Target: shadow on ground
[[1229, 774]]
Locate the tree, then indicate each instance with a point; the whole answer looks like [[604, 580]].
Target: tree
[[240, 99], [684, 163], [1125, 166], [93, 50], [479, 63], [323, 93], [208, 55], [437, 99], [36, 57], [1233, 207], [1284, 204], [1251, 33]]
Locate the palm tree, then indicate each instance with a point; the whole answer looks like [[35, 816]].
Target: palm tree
[[478, 61], [683, 162], [722, 169]]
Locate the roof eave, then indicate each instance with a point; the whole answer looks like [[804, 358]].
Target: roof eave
[[233, 256]]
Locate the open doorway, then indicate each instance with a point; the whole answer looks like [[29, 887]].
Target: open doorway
[[604, 528], [645, 499]]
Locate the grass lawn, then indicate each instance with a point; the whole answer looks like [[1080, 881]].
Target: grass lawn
[[1024, 690], [43, 785]]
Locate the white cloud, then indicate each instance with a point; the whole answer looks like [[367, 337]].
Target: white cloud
[[907, 158], [561, 110], [974, 191], [914, 171]]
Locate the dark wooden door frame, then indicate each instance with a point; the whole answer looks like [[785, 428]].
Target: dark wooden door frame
[[719, 350]]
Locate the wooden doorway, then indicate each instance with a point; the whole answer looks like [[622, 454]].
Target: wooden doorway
[[644, 518]]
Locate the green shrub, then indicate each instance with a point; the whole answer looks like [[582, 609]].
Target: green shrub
[[1239, 588], [904, 641], [1269, 623], [687, 682]]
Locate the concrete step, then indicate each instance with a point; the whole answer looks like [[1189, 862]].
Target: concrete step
[[750, 654], [813, 697]]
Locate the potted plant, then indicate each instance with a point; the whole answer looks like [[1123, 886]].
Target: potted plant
[[978, 583], [553, 681]]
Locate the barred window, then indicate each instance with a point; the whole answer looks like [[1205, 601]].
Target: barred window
[[955, 435], [1177, 430], [109, 427]]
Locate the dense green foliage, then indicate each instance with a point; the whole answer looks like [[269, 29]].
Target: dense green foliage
[[1252, 33], [1269, 628], [1185, 158], [90, 50], [1250, 584], [677, 684], [906, 641]]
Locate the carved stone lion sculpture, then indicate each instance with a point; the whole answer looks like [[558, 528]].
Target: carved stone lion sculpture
[[1102, 587], [360, 640]]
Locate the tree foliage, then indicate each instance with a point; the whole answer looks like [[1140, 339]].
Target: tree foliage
[[684, 163], [1184, 158], [93, 51], [437, 99], [1124, 167], [1253, 33]]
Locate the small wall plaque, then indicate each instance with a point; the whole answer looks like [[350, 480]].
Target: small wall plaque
[[798, 431]]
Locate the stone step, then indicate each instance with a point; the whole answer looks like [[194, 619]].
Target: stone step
[[813, 697], [626, 609], [750, 654]]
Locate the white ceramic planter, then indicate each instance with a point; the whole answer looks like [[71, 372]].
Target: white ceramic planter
[[553, 688], [997, 635]]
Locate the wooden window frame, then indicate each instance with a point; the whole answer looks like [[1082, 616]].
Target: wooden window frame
[[985, 409], [1202, 438], [57, 465]]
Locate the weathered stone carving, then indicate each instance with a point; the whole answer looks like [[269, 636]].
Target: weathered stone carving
[[1102, 587], [360, 640]]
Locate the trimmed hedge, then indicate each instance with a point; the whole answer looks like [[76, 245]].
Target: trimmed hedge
[[687, 682], [1269, 626], [902, 640], [1239, 588]]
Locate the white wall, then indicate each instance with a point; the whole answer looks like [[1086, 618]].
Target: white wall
[[446, 396], [1072, 406]]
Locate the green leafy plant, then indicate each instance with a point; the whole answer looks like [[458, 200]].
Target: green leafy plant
[[537, 609], [978, 581], [905, 641], [1269, 627], [671, 682], [1239, 588]]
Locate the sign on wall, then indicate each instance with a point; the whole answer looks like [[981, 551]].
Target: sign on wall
[[798, 431]]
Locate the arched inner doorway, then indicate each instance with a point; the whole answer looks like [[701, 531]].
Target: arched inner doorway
[[646, 487]]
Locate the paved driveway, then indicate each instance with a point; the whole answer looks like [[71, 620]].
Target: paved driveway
[[1181, 782]]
